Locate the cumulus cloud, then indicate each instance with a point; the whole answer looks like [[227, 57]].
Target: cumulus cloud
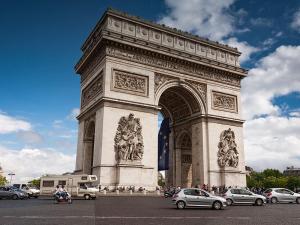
[[211, 19], [205, 18], [243, 47], [272, 142], [296, 21], [275, 75], [272, 139], [30, 163], [9, 124]]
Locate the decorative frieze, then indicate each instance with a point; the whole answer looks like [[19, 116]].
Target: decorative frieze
[[95, 88], [129, 144], [129, 83], [228, 154], [169, 63], [174, 41], [225, 102]]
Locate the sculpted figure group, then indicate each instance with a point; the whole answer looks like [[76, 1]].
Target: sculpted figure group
[[129, 140], [228, 154]]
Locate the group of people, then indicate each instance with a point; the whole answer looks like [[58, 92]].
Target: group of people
[[60, 191]]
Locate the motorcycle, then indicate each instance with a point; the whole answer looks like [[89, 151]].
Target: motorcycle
[[60, 197], [169, 193]]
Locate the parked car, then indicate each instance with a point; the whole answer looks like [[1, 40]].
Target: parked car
[[275, 195], [11, 193], [31, 191], [243, 196], [194, 197]]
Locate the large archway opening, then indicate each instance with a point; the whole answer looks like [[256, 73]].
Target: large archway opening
[[179, 105], [89, 139]]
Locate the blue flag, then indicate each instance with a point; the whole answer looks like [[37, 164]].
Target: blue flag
[[163, 145]]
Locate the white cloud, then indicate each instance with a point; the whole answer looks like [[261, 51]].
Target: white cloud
[[73, 114], [205, 18], [296, 21], [272, 142], [275, 75], [211, 19], [30, 137], [30, 163], [9, 124], [243, 47]]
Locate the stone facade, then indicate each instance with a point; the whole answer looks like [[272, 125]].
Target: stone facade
[[130, 71]]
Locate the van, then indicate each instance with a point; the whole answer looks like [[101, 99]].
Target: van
[[32, 192], [79, 185]]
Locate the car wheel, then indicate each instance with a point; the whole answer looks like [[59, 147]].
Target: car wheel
[[180, 205], [87, 197], [15, 197], [36, 196], [298, 200], [259, 202], [274, 200], [229, 201], [217, 205]]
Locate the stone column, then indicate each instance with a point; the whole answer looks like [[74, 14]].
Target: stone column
[[199, 153]]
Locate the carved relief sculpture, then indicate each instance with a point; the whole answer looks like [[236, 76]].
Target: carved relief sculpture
[[92, 90], [222, 101], [129, 140], [130, 83], [228, 154]]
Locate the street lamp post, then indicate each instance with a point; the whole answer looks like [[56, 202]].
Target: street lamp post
[[11, 175]]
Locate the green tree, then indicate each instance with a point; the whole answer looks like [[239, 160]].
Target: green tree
[[35, 182], [293, 182], [3, 180], [272, 173]]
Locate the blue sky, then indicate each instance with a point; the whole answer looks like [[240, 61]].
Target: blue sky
[[40, 43]]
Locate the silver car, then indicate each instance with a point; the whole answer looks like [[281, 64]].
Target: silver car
[[194, 197], [243, 196], [275, 195]]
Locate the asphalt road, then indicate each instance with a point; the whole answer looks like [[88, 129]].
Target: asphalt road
[[140, 211]]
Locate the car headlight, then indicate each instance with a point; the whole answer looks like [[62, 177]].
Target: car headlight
[[21, 194]]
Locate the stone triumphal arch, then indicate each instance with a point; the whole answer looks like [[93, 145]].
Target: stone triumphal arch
[[130, 71]]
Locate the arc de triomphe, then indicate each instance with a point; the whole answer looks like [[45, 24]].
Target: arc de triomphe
[[130, 71]]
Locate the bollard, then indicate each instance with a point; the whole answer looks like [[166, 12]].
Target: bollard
[[118, 192], [130, 192], [158, 192], [144, 192], [104, 192]]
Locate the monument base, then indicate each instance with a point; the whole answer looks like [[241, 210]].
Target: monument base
[[133, 173]]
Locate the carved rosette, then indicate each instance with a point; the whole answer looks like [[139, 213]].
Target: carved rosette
[[129, 145], [130, 83], [228, 154], [225, 102]]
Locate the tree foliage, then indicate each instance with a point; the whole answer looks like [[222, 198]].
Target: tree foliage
[[271, 178], [3, 180], [35, 182]]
